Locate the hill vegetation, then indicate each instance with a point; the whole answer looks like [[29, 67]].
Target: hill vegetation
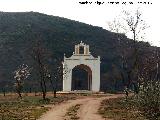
[[20, 31]]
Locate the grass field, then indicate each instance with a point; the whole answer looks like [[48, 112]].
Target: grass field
[[29, 108], [120, 109]]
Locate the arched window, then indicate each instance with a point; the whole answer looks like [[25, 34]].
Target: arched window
[[81, 50]]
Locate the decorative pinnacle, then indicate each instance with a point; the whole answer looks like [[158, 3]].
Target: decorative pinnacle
[[81, 43]]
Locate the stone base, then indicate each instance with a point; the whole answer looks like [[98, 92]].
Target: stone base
[[79, 92]]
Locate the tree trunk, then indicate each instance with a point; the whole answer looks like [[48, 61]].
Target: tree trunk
[[19, 89], [55, 94], [19, 93], [55, 89], [35, 93], [4, 92], [44, 95], [43, 90], [30, 90]]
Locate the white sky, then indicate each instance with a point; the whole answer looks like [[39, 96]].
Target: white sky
[[97, 15]]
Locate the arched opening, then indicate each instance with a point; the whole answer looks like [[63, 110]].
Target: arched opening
[[81, 50], [81, 78]]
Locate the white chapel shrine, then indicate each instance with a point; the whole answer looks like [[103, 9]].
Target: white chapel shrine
[[81, 59]]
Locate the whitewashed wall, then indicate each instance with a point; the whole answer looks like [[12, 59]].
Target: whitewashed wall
[[88, 60]]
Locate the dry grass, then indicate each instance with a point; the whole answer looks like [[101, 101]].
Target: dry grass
[[29, 108], [72, 112], [120, 109]]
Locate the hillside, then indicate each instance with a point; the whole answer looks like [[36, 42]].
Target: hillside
[[19, 31]]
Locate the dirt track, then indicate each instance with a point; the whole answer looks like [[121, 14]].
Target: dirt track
[[87, 111]]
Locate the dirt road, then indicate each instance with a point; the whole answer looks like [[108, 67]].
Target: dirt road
[[87, 111]]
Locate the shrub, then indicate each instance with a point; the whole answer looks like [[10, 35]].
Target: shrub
[[148, 100]]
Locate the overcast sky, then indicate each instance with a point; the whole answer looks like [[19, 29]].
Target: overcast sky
[[94, 14]]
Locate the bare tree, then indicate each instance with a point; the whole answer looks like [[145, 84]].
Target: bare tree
[[149, 69], [20, 75], [136, 26], [39, 54], [4, 91], [133, 25], [57, 76], [157, 65]]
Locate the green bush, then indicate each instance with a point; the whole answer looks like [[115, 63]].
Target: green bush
[[148, 100]]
